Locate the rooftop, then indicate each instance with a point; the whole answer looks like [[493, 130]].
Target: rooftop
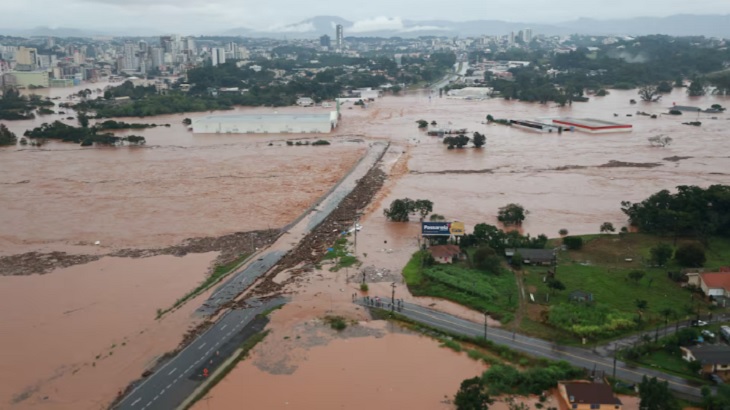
[[253, 118], [717, 354], [533, 254], [717, 280], [444, 251], [590, 393], [590, 122]]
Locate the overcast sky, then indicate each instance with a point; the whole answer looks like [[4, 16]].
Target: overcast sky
[[206, 16]]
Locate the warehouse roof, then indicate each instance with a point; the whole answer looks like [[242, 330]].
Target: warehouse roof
[[254, 118]]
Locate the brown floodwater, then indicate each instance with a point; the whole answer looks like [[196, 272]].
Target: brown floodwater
[[63, 197], [73, 338], [384, 370]]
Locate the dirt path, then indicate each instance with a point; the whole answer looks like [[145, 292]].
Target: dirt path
[[522, 307]]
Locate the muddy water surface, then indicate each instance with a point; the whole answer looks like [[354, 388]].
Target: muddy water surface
[[388, 370], [71, 339]]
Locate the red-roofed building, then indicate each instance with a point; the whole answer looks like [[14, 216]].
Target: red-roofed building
[[584, 395], [445, 253], [716, 283]]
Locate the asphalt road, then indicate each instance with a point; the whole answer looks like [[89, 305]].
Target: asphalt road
[[232, 287], [541, 348], [174, 381], [237, 283]]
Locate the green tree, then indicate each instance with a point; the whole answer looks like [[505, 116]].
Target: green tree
[[422, 123], [472, 395], [479, 140], [555, 284], [423, 207], [512, 214], [563, 232], [573, 242], [636, 275], [655, 395], [664, 87], [486, 259], [607, 227], [517, 260], [83, 120], [641, 304], [490, 118], [399, 210], [6, 136], [690, 255], [696, 88], [649, 93], [661, 254]]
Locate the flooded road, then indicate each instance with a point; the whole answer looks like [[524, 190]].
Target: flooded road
[[374, 367], [63, 197]]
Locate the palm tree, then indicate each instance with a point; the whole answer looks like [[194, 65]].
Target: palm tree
[[666, 312]]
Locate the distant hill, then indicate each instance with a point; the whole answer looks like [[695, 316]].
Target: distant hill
[[677, 25]]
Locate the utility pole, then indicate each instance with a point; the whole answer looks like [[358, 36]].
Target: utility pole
[[357, 221], [615, 347], [486, 314], [392, 298]]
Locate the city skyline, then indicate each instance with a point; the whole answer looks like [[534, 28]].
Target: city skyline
[[188, 17]]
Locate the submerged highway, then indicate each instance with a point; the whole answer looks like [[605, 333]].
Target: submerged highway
[[175, 380]]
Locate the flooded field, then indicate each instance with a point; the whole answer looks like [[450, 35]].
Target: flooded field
[[73, 338], [63, 197], [368, 366]]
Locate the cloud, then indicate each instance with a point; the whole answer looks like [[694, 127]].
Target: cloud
[[377, 24], [292, 28], [423, 28]]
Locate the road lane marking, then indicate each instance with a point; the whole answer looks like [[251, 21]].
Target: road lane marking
[[156, 397], [201, 346], [170, 385], [173, 371], [136, 401], [224, 326]]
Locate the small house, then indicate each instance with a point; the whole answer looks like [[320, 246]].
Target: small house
[[445, 253], [533, 256], [716, 284], [715, 359], [584, 395]]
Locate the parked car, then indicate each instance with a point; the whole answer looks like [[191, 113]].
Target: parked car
[[708, 334], [698, 323]]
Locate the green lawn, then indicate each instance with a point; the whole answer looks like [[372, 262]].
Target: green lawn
[[458, 282], [340, 255], [669, 363], [602, 268]]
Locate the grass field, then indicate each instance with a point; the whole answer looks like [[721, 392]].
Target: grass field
[[458, 282], [601, 268]]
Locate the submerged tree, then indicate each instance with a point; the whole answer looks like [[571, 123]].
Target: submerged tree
[[650, 93], [512, 214]]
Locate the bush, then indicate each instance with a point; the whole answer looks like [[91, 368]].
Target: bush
[[336, 322], [573, 242], [661, 253], [364, 287], [690, 255], [321, 142], [486, 259], [563, 232]]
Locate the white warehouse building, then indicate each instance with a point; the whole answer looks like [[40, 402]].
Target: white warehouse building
[[266, 123]]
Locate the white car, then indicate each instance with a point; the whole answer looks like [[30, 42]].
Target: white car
[[708, 334]]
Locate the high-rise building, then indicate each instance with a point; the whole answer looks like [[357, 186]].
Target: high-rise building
[[512, 38], [130, 61], [340, 39], [156, 56], [217, 56], [26, 59], [527, 35], [324, 41]]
